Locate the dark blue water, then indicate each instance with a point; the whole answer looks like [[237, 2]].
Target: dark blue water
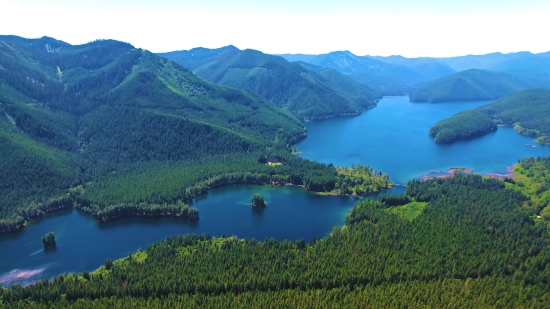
[[83, 244], [393, 137]]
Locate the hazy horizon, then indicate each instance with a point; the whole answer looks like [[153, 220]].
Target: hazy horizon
[[426, 28]]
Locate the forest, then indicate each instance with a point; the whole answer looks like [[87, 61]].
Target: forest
[[464, 125], [528, 111], [471, 245], [308, 92], [118, 131]]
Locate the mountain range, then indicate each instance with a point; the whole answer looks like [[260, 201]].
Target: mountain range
[[474, 85], [80, 115], [400, 75], [307, 92]]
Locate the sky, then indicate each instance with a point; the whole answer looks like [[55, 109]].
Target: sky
[[420, 28]]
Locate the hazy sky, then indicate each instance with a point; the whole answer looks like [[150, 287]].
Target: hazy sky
[[436, 28]]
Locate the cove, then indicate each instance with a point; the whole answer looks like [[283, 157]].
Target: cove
[[393, 138], [84, 245]]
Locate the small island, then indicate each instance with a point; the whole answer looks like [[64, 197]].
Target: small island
[[258, 201], [49, 240]]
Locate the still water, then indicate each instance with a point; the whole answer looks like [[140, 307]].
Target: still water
[[393, 137], [83, 244]]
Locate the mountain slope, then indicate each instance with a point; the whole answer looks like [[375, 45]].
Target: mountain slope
[[297, 57], [304, 93], [79, 115], [535, 67], [388, 79], [521, 63], [474, 85], [428, 69], [527, 110]]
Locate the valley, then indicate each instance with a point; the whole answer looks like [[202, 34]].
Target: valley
[[143, 166]]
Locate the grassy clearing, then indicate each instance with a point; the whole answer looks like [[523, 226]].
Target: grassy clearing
[[408, 211]]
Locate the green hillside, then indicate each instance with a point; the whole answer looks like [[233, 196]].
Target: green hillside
[[528, 111], [305, 93], [464, 125], [474, 85], [92, 117], [464, 242]]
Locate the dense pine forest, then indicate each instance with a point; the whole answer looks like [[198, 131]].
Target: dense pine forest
[[473, 242], [464, 125], [308, 92], [119, 132], [528, 111]]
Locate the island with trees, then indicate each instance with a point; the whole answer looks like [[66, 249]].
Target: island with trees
[[49, 240], [472, 241], [257, 200]]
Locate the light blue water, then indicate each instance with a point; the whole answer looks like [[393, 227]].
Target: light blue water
[[393, 137]]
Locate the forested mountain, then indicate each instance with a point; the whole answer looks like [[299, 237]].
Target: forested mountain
[[473, 243], [528, 111], [389, 80], [94, 118], [428, 68], [385, 78], [521, 63], [474, 85], [304, 93]]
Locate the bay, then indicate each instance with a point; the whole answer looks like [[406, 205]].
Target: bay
[[393, 138]]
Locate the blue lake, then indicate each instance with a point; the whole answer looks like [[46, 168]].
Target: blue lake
[[393, 138], [83, 244]]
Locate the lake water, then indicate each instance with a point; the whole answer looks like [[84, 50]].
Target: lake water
[[83, 244], [393, 137]]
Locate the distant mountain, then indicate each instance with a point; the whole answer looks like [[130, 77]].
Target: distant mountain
[[474, 85], [196, 57], [536, 67], [305, 93], [297, 57], [428, 68], [528, 111], [521, 63], [394, 75], [77, 115], [44, 43]]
